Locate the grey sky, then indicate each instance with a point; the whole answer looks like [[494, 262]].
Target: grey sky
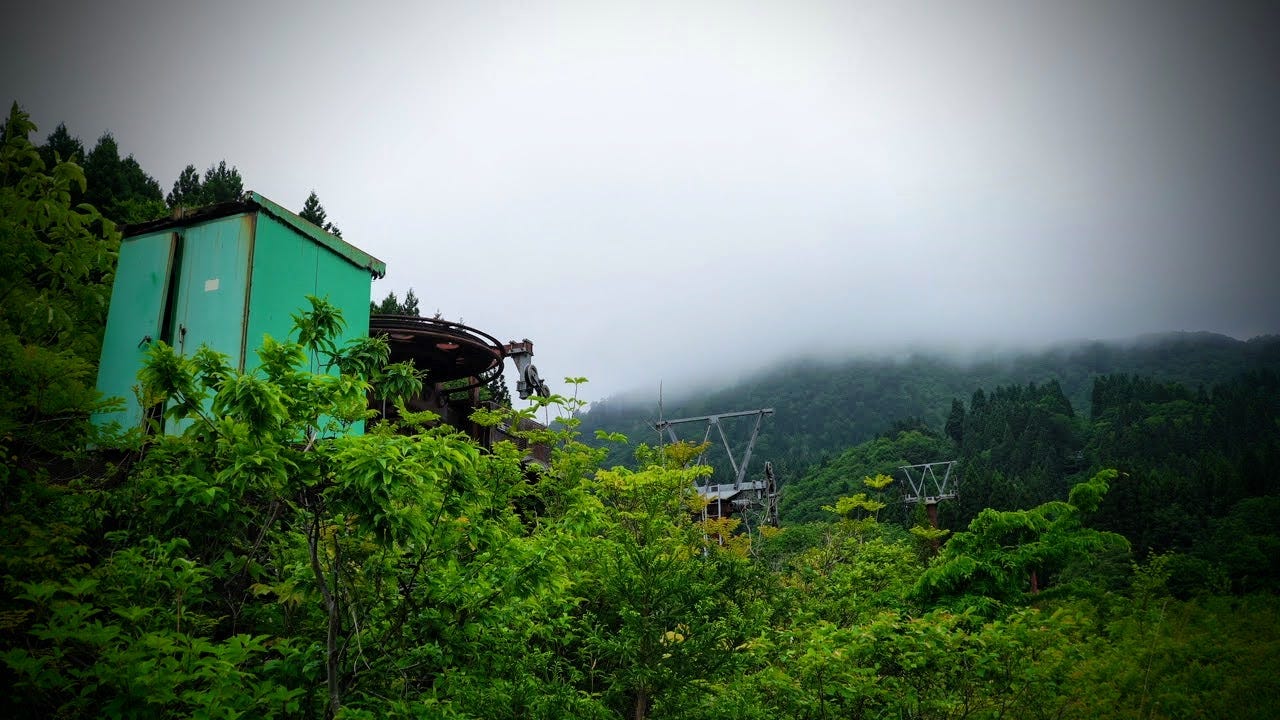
[[666, 190]]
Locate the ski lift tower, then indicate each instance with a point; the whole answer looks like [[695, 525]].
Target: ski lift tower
[[741, 495], [924, 485]]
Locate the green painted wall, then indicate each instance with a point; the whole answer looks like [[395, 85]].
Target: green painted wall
[[133, 319], [237, 278], [286, 269], [210, 302], [284, 274], [348, 287]]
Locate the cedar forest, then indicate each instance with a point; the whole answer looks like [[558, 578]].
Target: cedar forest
[[1113, 553]]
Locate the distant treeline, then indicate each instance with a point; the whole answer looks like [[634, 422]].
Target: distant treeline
[[125, 193], [823, 408], [1187, 461], [1191, 421]]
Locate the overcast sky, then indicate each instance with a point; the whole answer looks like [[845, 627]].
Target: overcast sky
[[659, 191]]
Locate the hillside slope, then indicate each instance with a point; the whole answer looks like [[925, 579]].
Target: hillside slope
[[824, 407]]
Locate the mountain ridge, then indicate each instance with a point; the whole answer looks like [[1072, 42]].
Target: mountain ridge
[[823, 406]]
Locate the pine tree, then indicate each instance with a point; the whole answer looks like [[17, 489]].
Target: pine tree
[[187, 191], [313, 212], [955, 422], [388, 306], [391, 305], [410, 304], [221, 184], [119, 187], [61, 146]]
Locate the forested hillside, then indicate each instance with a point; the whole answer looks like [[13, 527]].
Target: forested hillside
[[1188, 458], [273, 562], [822, 408]]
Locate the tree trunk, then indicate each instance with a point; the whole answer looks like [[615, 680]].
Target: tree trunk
[[642, 704], [335, 619]]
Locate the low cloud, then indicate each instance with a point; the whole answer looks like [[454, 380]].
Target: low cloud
[[679, 193]]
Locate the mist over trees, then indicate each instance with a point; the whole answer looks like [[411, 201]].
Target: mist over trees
[[268, 562], [1189, 451], [825, 407]]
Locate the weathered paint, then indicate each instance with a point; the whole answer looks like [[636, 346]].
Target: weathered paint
[[249, 228], [341, 283], [134, 318], [284, 274], [251, 202], [286, 271], [337, 245], [224, 278], [211, 289]]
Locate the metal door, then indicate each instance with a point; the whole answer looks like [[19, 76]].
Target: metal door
[[210, 302], [135, 319]]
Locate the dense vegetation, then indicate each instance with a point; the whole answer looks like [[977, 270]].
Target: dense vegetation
[[1188, 457], [264, 563], [825, 407]]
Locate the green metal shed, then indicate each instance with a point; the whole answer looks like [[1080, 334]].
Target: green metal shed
[[223, 276]]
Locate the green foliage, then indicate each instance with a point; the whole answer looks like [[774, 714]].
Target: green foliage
[[1167, 658], [930, 536], [56, 261], [390, 305], [1006, 556], [287, 533], [187, 190], [824, 407], [1187, 457], [657, 616], [859, 513], [264, 558], [126, 643], [496, 391], [806, 496], [936, 666], [219, 184], [1243, 546], [61, 146], [118, 186]]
